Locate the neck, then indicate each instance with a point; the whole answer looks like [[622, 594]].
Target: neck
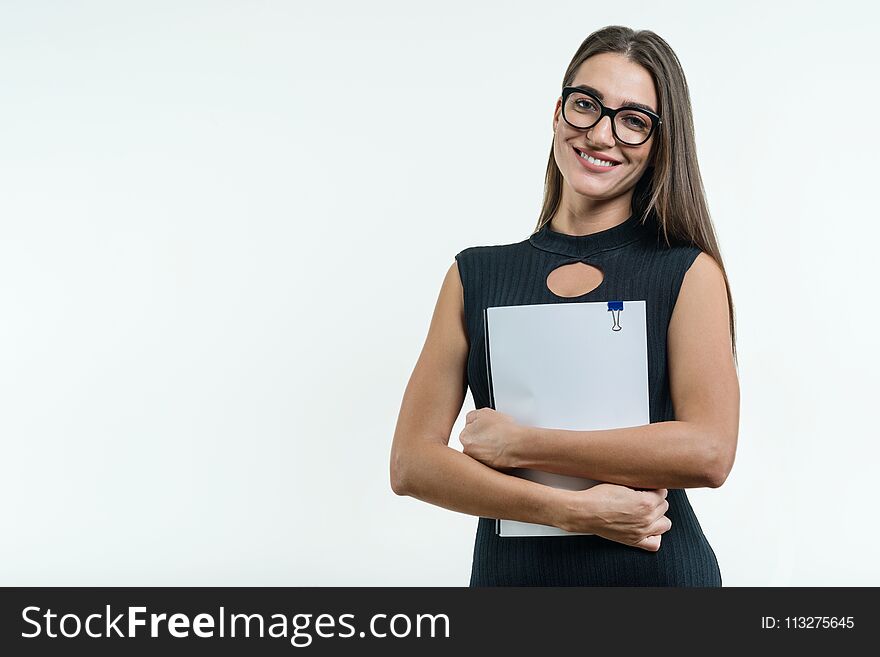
[[579, 215]]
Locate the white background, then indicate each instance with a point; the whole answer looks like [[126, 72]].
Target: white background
[[225, 224]]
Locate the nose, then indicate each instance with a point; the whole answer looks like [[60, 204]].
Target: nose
[[602, 133]]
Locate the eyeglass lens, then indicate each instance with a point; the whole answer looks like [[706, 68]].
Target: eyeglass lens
[[631, 125]]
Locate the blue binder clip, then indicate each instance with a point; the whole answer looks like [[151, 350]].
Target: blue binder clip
[[615, 307]]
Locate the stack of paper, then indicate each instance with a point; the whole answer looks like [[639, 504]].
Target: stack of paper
[[577, 366]]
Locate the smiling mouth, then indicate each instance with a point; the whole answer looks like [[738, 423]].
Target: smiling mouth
[[592, 160]]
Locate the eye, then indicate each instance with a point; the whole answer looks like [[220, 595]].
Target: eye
[[586, 104], [636, 122]]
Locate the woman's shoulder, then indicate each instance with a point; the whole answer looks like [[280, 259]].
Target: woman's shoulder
[[685, 253], [488, 253], [680, 251]]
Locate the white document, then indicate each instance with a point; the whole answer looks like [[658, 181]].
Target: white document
[[576, 366]]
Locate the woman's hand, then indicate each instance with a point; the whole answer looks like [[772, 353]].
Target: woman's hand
[[618, 513], [490, 437]]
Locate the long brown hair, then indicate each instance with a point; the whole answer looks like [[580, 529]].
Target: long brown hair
[[670, 193]]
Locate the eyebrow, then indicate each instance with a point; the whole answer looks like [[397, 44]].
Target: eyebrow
[[626, 101]]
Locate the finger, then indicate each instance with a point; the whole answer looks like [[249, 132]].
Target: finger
[[649, 543], [660, 526], [659, 511], [657, 494]]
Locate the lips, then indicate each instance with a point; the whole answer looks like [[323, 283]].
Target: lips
[[592, 168], [598, 156]]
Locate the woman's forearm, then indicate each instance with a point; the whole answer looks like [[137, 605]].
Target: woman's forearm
[[660, 455], [441, 475]]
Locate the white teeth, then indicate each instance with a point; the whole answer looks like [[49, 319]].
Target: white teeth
[[601, 163]]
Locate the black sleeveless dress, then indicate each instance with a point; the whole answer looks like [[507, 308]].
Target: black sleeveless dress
[[636, 266]]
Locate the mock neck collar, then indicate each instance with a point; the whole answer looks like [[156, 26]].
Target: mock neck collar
[[581, 246]]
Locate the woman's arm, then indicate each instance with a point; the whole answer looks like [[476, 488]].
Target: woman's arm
[[698, 448], [425, 467], [422, 463]]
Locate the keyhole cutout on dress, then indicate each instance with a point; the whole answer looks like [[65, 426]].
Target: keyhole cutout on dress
[[574, 279]]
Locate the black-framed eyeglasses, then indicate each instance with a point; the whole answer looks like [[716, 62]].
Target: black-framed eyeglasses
[[632, 126]]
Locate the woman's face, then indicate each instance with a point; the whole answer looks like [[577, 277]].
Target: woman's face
[[619, 81]]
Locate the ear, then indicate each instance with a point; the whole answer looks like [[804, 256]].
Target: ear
[[556, 114]]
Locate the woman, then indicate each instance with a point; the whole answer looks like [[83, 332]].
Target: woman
[[624, 217]]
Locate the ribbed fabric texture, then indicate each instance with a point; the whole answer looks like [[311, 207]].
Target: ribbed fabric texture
[[636, 266]]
